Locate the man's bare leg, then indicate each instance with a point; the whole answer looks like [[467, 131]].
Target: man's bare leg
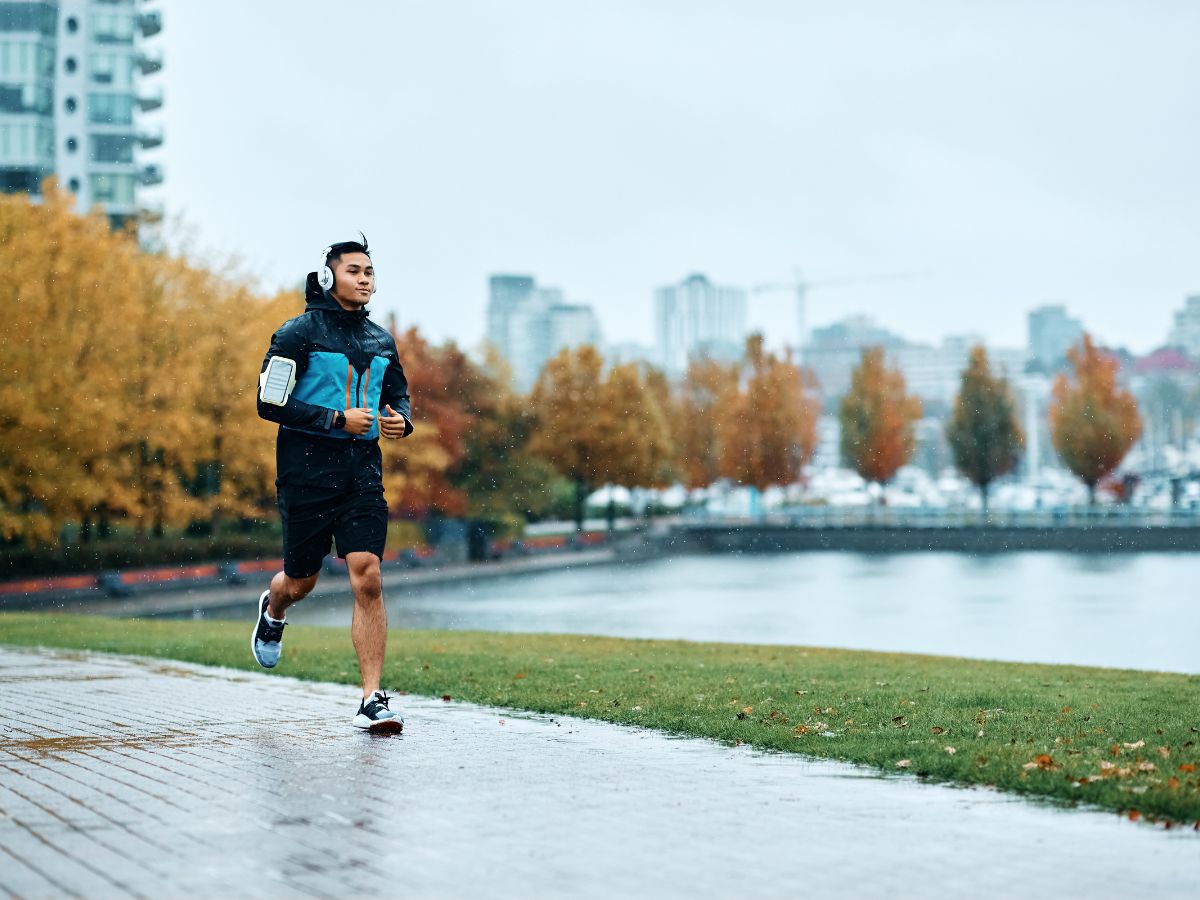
[[368, 629], [286, 590]]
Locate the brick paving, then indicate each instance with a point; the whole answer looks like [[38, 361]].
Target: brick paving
[[134, 778]]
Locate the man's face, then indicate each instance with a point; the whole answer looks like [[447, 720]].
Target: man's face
[[353, 280]]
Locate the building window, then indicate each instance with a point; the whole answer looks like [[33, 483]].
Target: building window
[[110, 109], [27, 97], [70, 65], [73, 185], [72, 145], [72, 24], [112, 148], [39, 17], [70, 104], [112, 68], [26, 140], [112, 27], [115, 189]]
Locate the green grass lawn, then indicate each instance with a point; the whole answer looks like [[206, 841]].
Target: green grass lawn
[[1120, 739]]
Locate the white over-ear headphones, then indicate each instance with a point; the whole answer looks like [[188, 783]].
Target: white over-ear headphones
[[325, 274]]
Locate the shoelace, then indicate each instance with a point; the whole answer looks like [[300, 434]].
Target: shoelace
[[379, 698]]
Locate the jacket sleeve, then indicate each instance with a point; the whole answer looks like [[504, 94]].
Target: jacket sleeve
[[395, 391], [290, 342]]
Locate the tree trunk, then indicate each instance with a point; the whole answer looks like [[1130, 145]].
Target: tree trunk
[[1091, 493], [612, 512], [580, 503], [983, 495]]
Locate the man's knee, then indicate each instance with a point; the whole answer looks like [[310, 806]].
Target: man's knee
[[365, 576], [296, 589]]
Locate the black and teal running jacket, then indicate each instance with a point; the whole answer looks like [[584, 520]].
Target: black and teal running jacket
[[343, 360]]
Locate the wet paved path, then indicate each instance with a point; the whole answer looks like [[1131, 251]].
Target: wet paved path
[[123, 777]]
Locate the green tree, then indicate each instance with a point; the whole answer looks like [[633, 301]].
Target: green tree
[[984, 433]]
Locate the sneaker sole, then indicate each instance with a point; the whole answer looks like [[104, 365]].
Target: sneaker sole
[[383, 726], [254, 632]]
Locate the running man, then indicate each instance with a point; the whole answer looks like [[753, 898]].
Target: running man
[[333, 382]]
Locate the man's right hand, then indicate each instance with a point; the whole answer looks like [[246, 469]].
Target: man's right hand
[[358, 421]]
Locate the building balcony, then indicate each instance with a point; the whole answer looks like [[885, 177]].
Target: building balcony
[[150, 102], [149, 63], [150, 22], [148, 140], [150, 175], [151, 213]]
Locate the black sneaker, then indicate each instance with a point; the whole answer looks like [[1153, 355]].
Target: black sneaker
[[267, 640], [374, 714]]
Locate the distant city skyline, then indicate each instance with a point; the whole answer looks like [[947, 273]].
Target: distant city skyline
[[1019, 154]]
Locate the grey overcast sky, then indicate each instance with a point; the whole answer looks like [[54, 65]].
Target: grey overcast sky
[[1010, 153]]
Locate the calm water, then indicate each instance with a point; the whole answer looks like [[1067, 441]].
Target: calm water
[[1136, 611]]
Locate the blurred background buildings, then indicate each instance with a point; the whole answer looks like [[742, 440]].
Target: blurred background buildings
[[77, 97]]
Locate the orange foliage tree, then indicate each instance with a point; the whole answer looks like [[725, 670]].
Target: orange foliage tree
[[129, 380], [1093, 421], [877, 418], [769, 430], [417, 479], [595, 430], [635, 436], [699, 406]]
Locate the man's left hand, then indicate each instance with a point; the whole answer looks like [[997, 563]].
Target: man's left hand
[[393, 425]]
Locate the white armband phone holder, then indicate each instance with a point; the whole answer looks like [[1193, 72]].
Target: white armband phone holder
[[276, 382]]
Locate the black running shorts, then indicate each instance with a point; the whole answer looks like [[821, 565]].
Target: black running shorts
[[314, 518]]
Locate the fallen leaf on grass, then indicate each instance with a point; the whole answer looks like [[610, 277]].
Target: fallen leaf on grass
[[519, 675], [1042, 761], [903, 763], [938, 729], [950, 750], [1134, 815], [1147, 767], [1164, 752], [446, 697], [900, 722], [1172, 782], [1187, 767], [1136, 746], [801, 729]]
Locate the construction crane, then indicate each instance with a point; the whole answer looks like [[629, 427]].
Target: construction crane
[[801, 287]]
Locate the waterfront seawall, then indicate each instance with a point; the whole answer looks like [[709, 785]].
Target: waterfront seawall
[[788, 538]]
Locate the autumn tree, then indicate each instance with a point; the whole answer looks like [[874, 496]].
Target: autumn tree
[[635, 440], [877, 418], [984, 433], [701, 403], [417, 474], [502, 481], [1093, 421], [768, 428], [564, 400]]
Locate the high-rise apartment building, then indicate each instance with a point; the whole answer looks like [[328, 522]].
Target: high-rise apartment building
[[698, 318], [530, 324], [1185, 332], [1051, 334], [73, 99]]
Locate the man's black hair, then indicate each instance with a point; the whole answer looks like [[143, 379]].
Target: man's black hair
[[338, 250]]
